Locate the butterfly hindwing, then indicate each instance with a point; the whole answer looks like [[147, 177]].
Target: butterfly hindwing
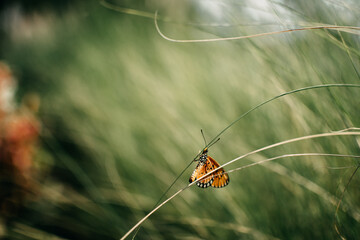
[[221, 179]]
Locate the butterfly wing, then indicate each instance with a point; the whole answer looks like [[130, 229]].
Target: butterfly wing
[[201, 169], [221, 179]]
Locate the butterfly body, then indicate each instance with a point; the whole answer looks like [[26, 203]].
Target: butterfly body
[[207, 164]]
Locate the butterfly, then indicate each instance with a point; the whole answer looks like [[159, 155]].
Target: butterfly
[[217, 179]]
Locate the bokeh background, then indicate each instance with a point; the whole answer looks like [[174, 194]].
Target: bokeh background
[[115, 113]]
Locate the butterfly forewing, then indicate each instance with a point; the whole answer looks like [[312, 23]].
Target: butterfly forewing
[[201, 169]]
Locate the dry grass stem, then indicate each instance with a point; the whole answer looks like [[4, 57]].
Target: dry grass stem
[[330, 27], [340, 133]]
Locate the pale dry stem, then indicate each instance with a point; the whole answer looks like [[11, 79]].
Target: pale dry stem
[[341, 133]]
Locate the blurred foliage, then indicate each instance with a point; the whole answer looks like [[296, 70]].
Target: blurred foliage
[[30, 6], [122, 108]]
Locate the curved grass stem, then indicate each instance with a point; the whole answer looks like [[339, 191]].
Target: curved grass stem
[[340, 133], [330, 27], [336, 226]]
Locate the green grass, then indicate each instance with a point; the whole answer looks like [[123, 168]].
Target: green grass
[[122, 110]]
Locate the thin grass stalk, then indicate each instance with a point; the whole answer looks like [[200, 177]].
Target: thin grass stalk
[[336, 226], [330, 27], [340, 133]]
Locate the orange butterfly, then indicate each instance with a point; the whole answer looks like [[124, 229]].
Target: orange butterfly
[[206, 164]]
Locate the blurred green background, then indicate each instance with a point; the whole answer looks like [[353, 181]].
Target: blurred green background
[[122, 108]]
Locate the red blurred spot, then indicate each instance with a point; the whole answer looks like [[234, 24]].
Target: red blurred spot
[[19, 132]]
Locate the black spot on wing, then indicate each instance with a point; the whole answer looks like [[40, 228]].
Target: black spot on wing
[[205, 185]]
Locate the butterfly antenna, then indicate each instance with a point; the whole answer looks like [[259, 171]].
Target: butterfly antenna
[[202, 133], [213, 142]]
